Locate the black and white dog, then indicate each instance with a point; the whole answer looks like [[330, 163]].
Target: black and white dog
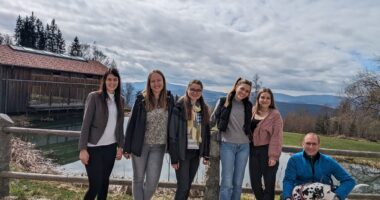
[[313, 191]]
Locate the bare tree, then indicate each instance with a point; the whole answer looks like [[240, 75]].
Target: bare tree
[[364, 92], [128, 92], [299, 121], [256, 85], [6, 39], [358, 114]]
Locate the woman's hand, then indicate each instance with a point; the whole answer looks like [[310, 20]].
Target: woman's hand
[[205, 161], [83, 156], [175, 166], [119, 153], [127, 156], [272, 162]]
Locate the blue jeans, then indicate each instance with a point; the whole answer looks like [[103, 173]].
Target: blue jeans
[[147, 171], [234, 159]]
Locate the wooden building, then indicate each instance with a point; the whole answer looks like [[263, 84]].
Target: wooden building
[[33, 80]]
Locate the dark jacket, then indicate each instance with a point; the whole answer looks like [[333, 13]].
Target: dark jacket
[[222, 115], [95, 121], [178, 135], [135, 133], [301, 170]]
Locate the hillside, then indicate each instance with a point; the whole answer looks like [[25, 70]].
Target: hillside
[[313, 104]]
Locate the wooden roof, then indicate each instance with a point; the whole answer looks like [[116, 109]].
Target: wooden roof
[[44, 60]]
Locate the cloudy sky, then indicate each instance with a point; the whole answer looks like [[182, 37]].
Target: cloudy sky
[[296, 46]]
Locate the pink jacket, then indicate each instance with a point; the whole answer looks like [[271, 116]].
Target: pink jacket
[[269, 131]]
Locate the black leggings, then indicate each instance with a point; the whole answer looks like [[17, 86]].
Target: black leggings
[[258, 167], [99, 169], [186, 173]]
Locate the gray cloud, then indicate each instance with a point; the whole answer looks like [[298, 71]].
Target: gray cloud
[[295, 46]]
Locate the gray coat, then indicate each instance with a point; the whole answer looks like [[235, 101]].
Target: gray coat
[[95, 121]]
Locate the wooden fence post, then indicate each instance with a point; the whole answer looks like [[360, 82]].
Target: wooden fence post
[[212, 173], [5, 153]]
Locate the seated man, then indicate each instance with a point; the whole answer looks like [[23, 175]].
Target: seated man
[[310, 166]]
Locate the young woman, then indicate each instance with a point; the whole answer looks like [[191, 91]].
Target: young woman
[[266, 148], [189, 137], [147, 135], [102, 137], [233, 118]]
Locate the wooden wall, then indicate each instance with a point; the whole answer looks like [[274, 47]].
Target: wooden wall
[[29, 87]]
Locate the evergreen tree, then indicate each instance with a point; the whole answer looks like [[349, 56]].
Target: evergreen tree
[[32, 33], [60, 43], [75, 48], [18, 29], [54, 39], [27, 31], [41, 37], [51, 37]]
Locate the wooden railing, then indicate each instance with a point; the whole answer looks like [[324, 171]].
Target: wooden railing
[[6, 129]]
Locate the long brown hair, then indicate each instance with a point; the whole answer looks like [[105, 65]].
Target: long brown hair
[[187, 103], [257, 105], [232, 93], [103, 90], [149, 96]]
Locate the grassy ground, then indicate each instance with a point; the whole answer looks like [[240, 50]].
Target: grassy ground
[[295, 139], [24, 189]]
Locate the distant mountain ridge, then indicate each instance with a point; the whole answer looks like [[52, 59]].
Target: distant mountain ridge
[[313, 104]]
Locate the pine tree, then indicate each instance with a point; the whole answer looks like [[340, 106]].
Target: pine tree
[[51, 35], [18, 29], [60, 43], [32, 33], [75, 48], [41, 36]]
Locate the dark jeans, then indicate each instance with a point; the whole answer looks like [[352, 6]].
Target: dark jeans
[[99, 169], [258, 168], [186, 173]]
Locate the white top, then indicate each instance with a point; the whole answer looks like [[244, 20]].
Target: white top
[[108, 136]]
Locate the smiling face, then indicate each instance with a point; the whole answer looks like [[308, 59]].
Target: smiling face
[[156, 83], [194, 92], [311, 144], [111, 83], [242, 91], [265, 100]]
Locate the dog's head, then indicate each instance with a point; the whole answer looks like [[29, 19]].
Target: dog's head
[[313, 191]]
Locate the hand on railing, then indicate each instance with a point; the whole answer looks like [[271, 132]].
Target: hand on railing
[[83, 156]]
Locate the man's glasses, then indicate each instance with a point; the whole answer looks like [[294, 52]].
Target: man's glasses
[[311, 143]]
